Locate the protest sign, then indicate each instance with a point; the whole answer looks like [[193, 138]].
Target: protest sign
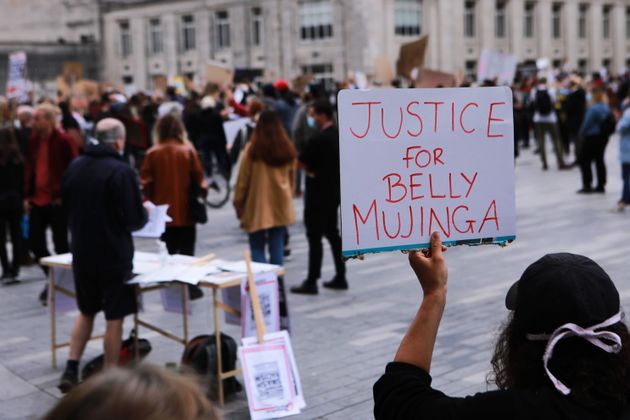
[[18, 87], [219, 74], [496, 65], [383, 71], [72, 71], [415, 161], [267, 287], [411, 56], [431, 78]]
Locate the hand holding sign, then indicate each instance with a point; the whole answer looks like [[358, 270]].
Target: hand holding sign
[[415, 161]]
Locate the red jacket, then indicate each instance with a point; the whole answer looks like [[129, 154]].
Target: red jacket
[[61, 152]]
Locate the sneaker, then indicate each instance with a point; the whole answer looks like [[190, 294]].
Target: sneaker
[[337, 283], [600, 190], [308, 287], [68, 380]]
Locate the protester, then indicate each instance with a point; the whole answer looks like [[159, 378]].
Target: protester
[[212, 137], [563, 354], [25, 126], [575, 106], [303, 129], [594, 141], [546, 122], [263, 195], [142, 393], [624, 155], [48, 155], [320, 160], [11, 195], [102, 197], [169, 170]]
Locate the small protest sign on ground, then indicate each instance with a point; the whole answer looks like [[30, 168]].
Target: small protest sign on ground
[[415, 161]]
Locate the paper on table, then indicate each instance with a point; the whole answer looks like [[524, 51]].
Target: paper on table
[[282, 337], [268, 382], [176, 272], [60, 259], [156, 225], [241, 267], [223, 277]]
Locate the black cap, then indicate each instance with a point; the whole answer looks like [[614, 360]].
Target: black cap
[[562, 288]]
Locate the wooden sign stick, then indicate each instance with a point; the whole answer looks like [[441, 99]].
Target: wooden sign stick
[[203, 260], [253, 293]]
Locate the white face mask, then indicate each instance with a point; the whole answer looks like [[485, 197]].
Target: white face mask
[[310, 121]]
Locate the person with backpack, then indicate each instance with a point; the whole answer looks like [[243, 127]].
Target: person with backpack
[[597, 127], [546, 122]]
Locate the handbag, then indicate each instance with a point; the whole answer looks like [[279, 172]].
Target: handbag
[[196, 202]]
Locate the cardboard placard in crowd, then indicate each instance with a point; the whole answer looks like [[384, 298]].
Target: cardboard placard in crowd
[[72, 71], [89, 89], [415, 161], [301, 82], [411, 56], [383, 71], [432, 78], [219, 74]]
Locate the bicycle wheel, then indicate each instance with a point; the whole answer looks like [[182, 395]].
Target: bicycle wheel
[[218, 190]]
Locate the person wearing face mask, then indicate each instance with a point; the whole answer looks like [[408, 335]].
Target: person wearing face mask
[[304, 128], [102, 198], [320, 161]]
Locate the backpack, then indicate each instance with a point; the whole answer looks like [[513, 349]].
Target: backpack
[[125, 358], [200, 354], [542, 102], [609, 125]]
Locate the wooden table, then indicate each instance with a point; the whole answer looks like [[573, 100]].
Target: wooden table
[[64, 261]]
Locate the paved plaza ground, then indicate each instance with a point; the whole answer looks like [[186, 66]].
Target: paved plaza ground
[[342, 340]]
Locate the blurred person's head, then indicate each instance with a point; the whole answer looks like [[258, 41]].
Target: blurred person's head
[[322, 112], [557, 296], [45, 119], [270, 142], [142, 393], [211, 89], [254, 106], [25, 115], [598, 96], [111, 132], [168, 128], [9, 148]]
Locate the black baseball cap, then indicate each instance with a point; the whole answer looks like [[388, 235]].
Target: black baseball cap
[[562, 288]]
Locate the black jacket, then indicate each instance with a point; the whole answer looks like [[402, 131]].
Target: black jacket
[[404, 392], [321, 157], [11, 186], [102, 197]]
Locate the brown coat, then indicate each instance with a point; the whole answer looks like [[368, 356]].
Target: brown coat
[[166, 175], [263, 197]]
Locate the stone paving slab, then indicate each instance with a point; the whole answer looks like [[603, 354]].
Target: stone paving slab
[[342, 340]]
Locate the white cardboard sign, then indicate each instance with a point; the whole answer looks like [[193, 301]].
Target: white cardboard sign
[[414, 161]]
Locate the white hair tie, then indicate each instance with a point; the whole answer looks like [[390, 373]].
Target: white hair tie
[[600, 339]]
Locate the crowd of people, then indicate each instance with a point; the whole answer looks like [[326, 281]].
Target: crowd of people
[[84, 173]]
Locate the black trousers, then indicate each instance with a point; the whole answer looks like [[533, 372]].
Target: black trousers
[[180, 239], [322, 222], [592, 150], [11, 219], [41, 218]]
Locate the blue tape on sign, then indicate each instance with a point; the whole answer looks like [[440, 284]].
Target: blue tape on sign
[[501, 241]]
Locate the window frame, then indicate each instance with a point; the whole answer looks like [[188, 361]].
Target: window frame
[[188, 33], [470, 19]]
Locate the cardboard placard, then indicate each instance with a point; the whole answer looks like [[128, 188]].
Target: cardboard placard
[[88, 89], [431, 79], [415, 161], [495, 65], [411, 56], [72, 71], [218, 74], [383, 71]]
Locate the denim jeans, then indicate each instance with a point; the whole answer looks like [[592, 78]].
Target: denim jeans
[[272, 238], [625, 175]]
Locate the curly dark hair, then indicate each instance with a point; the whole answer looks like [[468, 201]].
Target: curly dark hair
[[593, 375]]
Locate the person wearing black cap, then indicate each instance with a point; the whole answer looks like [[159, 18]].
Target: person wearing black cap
[[563, 354]]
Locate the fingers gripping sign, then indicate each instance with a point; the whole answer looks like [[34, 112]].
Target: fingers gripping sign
[[430, 266]]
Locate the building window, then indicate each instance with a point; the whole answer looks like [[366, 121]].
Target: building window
[[257, 26], [188, 33], [223, 29], [321, 72], [528, 24], [408, 17], [628, 22], [471, 68], [606, 9], [156, 45], [125, 39], [556, 20], [499, 19], [582, 66], [582, 11], [469, 19], [316, 19]]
